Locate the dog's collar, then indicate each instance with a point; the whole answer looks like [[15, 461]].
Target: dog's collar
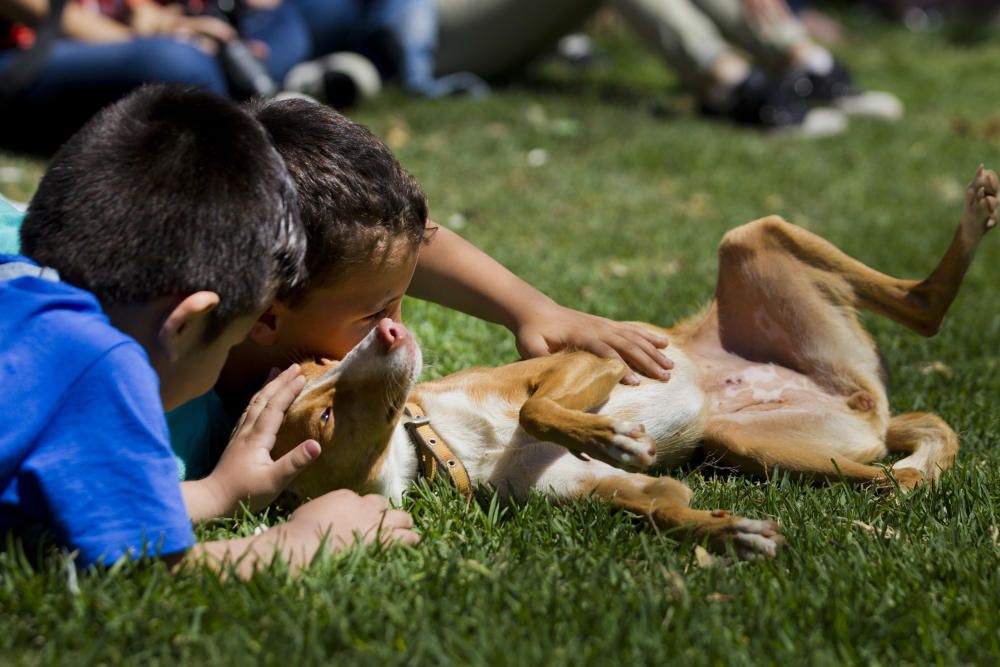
[[433, 452]]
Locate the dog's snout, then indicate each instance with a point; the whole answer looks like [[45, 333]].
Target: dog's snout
[[392, 334]]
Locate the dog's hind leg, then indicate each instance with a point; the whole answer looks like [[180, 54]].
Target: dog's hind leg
[[931, 444], [746, 274], [556, 412], [664, 501], [814, 447], [787, 296]]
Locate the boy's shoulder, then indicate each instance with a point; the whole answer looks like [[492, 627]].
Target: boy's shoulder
[[44, 316], [80, 403], [51, 333]]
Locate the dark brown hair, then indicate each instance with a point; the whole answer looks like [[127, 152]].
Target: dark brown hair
[[168, 192], [355, 199]]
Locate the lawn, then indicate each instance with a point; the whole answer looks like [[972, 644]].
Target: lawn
[[618, 211]]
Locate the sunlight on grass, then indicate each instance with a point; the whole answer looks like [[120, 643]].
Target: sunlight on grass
[[622, 218]]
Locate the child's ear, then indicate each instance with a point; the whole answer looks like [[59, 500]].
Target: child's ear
[[265, 330], [185, 325]]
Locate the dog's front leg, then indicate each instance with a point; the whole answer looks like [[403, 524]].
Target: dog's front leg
[[664, 501], [556, 411]]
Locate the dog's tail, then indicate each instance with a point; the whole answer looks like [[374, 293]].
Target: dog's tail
[[929, 441]]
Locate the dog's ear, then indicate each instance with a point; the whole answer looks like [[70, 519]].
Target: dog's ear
[[265, 330], [185, 324]]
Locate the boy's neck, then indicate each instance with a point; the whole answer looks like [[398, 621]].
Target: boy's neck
[[142, 322]]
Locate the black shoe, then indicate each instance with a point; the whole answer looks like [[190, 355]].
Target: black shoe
[[827, 87], [773, 105], [836, 88]]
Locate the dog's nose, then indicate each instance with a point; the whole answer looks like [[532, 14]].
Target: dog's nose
[[392, 334]]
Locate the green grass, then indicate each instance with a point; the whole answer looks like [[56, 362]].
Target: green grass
[[623, 220]]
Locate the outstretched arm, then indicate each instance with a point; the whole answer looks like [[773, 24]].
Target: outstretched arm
[[334, 521], [454, 273]]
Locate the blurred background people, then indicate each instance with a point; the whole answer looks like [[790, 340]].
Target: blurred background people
[[398, 38], [751, 61], [98, 50]]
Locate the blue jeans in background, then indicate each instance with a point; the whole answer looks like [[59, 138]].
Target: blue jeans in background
[[398, 36]]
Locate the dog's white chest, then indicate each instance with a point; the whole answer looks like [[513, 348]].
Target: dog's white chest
[[672, 412], [483, 431], [478, 430]]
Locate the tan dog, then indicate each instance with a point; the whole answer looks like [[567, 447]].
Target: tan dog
[[776, 372]]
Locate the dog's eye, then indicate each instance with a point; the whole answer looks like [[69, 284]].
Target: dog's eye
[[325, 417]]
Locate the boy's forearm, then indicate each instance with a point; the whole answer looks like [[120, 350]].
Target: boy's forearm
[[454, 273], [204, 500]]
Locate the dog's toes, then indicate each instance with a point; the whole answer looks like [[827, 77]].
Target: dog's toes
[[754, 539], [630, 446]]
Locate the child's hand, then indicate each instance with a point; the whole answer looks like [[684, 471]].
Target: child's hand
[[558, 328], [344, 517], [336, 519], [246, 470]]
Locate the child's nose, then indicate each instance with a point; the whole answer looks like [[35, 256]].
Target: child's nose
[[392, 334]]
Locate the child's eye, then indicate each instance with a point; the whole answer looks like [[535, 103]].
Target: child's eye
[[377, 316]]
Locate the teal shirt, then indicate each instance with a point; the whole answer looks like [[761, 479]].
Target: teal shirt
[[199, 430], [10, 224]]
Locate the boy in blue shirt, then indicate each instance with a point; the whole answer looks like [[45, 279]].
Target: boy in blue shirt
[[142, 268]]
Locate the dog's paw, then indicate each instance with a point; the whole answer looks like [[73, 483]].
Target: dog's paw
[[749, 538], [905, 479], [630, 447], [980, 212], [757, 539]]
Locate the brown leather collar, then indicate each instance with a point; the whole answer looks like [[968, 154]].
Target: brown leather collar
[[433, 451]]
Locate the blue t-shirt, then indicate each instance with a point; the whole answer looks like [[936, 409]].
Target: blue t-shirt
[[199, 429], [84, 449]]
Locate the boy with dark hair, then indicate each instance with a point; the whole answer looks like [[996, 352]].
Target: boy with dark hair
[[142, 269], [368, 243]]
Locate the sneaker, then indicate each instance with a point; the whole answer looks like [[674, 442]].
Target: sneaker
[[341, 79], [837, 89], [771, 105]]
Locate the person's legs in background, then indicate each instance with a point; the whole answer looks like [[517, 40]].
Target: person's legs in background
[[395, 39], [720, 75], [775, 38], [334, 25], [285, 31], [79, 78], [401, 38]]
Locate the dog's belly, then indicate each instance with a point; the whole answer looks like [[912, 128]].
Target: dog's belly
[[734, 385], [762, 396], [673, 412]]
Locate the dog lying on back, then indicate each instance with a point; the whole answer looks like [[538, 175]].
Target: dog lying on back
[[777, 371]]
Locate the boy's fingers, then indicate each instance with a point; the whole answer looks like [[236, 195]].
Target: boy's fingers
[[376, 501], [262, 397], [656, 339], [397, 519], [399, 536], [641, 356], [533, 346], [271, 415], [291, 464]]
